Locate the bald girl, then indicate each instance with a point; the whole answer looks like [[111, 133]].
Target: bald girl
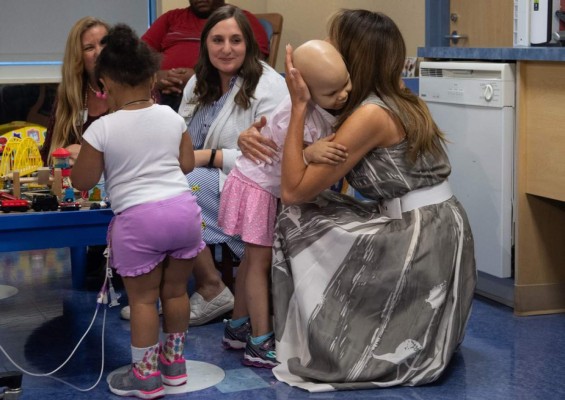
[[325, 73]]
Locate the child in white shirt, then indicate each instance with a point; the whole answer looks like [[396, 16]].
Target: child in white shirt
[[144, 151]]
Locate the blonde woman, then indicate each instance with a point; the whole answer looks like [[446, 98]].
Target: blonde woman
[[79, 100]]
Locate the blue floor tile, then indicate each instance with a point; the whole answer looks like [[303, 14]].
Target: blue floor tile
[[502, 356], [241, 379]]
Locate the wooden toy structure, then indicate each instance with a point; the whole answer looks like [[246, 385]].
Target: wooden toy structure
[[20, 155], [20, 159]]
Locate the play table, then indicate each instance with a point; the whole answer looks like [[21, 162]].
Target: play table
[[44, 230]]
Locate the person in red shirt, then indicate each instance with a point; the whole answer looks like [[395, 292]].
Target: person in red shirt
[[176, 35]]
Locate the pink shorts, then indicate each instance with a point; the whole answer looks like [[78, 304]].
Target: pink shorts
[[142, 236], [247, 210]]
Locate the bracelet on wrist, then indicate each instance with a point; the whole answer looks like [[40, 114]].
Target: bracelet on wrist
[[212, 157], [304, 158]]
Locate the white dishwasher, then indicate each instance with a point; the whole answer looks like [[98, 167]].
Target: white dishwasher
[[473, 103]]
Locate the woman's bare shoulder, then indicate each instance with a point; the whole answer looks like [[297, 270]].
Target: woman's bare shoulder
[[370, 124]]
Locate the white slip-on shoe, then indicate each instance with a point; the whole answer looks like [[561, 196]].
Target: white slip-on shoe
[[202, 311], [125, 312]]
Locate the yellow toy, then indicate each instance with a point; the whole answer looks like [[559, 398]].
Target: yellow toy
[[19, 149], [22, 129], [20, 155]]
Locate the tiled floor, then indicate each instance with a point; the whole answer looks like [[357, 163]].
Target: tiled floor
[[502, 357]]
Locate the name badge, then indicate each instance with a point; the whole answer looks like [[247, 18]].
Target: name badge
[[187, 109]]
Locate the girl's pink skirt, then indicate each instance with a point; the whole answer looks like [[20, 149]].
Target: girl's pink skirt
[[247, 210]]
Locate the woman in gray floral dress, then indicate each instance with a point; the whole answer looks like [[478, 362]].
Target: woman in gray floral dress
[[374, 292]]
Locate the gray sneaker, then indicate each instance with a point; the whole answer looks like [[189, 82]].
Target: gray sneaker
[[131, 383], [235, 338], [261, 355], [173, 373], [202, 311]]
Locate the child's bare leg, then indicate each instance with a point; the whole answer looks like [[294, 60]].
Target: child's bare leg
[[143, 379], [174, 296], [176, 314], [240, 302], [257, 288], [143, 293]]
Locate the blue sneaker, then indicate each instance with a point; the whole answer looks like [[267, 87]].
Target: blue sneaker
[[236, 338], [261, 355]]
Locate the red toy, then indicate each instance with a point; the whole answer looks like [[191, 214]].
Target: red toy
[[61, 158], [9, 203], [69, 206]]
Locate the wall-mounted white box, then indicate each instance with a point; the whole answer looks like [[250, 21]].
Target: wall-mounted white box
[[530, 26], [521, 23]]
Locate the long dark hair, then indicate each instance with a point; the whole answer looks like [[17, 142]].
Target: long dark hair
[[208, 85], [374, 51]]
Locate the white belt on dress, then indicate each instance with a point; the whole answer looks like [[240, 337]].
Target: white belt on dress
[[393, 208]]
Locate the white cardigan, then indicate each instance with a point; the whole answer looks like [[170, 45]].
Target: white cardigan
[[232, 119]]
